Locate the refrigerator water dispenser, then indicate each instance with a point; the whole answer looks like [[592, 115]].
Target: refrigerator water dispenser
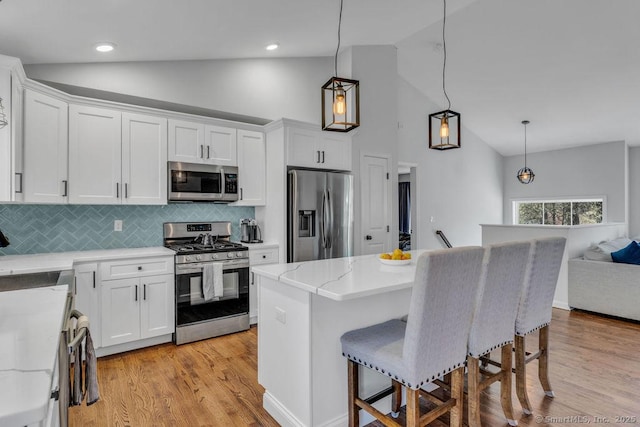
[[306, 223]]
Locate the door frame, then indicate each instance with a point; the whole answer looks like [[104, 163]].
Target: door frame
[[415, 224]]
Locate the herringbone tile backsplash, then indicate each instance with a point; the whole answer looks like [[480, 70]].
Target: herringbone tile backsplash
[[59, 228]]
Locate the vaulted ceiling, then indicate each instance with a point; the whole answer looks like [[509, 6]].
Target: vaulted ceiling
[[571, 67]]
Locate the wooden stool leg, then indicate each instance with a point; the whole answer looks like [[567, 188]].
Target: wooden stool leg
[[352, 390], [396, 398], [457, 392], [413, 407], [521, 375], [473, 392], [543, 361], [505, 384]]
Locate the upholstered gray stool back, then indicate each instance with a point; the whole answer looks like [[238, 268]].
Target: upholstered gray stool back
[[541, 278], [501, 284], [440, 311]]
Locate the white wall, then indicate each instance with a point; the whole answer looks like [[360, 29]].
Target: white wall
[[595, 170], [375, 67], [578, 238], [266, 88], [460, 189], [634, 191]]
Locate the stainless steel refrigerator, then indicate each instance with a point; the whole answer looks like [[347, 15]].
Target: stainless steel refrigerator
[[320, 215]]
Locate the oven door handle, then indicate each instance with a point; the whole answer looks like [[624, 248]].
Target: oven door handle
[[197, 267]]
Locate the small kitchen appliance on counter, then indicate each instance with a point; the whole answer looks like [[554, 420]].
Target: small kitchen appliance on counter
[[250, 231], [212, 280]]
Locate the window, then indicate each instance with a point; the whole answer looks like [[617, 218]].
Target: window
[[558, 212]]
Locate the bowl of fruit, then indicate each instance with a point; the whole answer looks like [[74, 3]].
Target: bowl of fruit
[[397, 257]]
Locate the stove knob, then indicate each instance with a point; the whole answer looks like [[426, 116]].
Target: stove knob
[[229, 254], [198, 257], [214, 256], [239, 254], [187, 258]]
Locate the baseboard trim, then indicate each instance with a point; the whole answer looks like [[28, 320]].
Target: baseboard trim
[[279, 412]]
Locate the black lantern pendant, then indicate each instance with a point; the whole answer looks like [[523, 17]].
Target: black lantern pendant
[[525, 175], [444, 126], [340, 98]]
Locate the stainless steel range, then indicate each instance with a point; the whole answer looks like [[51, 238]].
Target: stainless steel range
[[212, 280]]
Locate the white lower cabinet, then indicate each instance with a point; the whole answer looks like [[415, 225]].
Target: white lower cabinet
[[258, 256], [137, 308], [87, 298]]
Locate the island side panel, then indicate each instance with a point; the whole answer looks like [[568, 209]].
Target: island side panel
[[329, 320], [284, 367]]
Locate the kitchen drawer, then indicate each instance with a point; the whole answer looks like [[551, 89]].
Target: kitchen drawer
[[136, 268], [263, 256]]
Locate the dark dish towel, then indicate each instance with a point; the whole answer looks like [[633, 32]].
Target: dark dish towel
[[91, 371], [76, 391]]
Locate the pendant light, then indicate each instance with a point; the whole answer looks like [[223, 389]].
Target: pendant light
[[444, 126], [3, 117], [340, 98], [525, 175]]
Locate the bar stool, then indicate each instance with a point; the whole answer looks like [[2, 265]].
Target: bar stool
[[430, 344], [534, 313], [495, 312]]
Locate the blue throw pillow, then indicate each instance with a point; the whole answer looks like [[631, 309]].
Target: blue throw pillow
[[628, 255]]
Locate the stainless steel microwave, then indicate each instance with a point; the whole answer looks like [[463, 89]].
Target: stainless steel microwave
[[193, 182]]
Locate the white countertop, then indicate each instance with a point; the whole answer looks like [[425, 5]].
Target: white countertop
[[343, 278], [37, 263], [30, 325]]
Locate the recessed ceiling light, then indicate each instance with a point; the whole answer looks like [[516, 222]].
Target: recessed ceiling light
[[272, 46], [105, 47]]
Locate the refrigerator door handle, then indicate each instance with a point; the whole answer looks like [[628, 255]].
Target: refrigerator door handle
[[323, 220], [329, 220]]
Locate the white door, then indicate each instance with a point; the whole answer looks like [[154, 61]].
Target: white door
[[120, 311], [95, 155], [157, 308], [251, 168], [186, 141], [375, 209], [45, 149], [144, 159], [220, 146]]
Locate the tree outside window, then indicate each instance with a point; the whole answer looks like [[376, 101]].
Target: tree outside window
[[559, 212]]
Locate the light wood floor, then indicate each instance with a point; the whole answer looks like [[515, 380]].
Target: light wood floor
[[594, 364]]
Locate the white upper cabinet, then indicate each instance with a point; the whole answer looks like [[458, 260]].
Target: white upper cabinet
[[251, 168], [193, 142], [116, 158], [44, 178], [144, 159], [95, 155], [186, 141], [220, 145], [318, 149]]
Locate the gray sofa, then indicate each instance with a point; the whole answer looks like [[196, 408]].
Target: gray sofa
[[605, 287]]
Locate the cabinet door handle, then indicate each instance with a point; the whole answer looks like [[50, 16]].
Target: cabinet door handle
[[241, 194], [144, 292], [117, 190], [322, 156], [136, 292], [19, 188], [318, 156], [126, 190], [253, 278], [66, 187], [208, 152], [75, 286], [94, 279], [139, 268], [202, 151]]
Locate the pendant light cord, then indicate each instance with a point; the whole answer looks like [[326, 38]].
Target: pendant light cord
[[525, 144], [444, 49], [335, 61]]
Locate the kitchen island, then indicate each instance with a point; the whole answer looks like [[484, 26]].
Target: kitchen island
[[30, 325], [304, 309]]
